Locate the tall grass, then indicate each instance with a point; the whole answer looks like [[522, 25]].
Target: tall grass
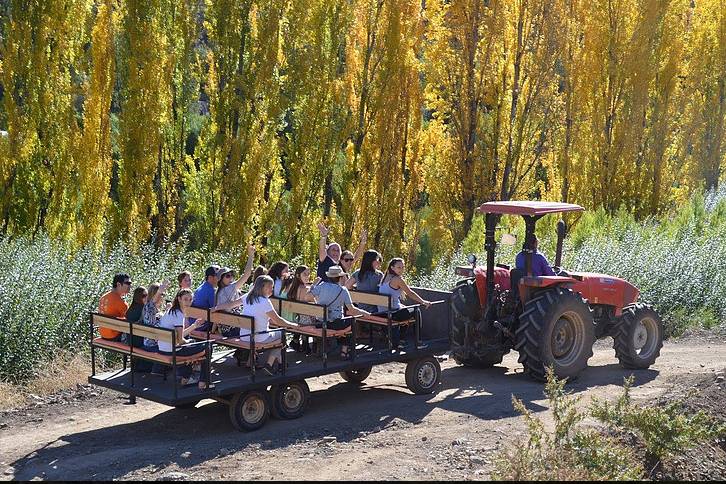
[[47, 288]]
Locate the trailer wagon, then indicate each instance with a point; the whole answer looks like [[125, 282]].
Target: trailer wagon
[[253, 395]]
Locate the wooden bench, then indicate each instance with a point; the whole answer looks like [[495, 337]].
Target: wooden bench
[[383, 300], [139, 329], [320, 313]]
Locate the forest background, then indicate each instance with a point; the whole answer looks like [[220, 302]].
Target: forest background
[[154, 136], [225, 121]]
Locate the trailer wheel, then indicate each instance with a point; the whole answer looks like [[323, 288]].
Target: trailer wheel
[[290, 400], [357, 375], [638, 337], [249, 410], [423, 375]]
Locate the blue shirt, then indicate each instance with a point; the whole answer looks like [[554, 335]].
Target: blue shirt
[[204, 296], [540, 265]]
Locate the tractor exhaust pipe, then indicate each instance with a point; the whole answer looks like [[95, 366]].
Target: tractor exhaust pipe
[[490, 244], [561, 232]]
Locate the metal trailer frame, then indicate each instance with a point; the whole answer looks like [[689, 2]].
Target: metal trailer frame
[[235, 381]]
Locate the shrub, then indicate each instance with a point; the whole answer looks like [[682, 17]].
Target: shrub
[[568, 452], [667, 430]]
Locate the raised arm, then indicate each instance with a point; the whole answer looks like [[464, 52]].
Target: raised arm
[[410, 292], [162, 288], [323, 244], [361, 246], [248, 267]]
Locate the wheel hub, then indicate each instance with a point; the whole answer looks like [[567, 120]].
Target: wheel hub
[[253, 410], [562, 338], [292, 398], [640, 336], [427, 375], [645, 337]]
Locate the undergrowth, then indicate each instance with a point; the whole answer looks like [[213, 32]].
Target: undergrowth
[[570, 450]]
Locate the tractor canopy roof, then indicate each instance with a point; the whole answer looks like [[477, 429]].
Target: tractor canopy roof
[[528, 208]]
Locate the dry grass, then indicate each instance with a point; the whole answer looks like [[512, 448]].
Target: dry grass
[[65, 371]]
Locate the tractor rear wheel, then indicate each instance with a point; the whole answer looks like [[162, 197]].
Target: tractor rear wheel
[[555, 329], [638, 337]]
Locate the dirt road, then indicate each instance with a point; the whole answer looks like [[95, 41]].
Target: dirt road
[[376, 431]]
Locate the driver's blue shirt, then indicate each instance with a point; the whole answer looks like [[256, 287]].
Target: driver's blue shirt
[[540, 265]]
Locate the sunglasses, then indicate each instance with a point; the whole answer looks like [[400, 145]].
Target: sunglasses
[[126, 283], [348, 259], [227, 275]]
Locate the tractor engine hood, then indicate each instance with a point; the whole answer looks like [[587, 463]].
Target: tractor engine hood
[[605, 289]]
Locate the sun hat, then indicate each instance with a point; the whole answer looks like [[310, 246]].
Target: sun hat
[[222, 271], [335, 271]]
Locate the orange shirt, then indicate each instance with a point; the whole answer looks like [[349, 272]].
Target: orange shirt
[[111, 304]]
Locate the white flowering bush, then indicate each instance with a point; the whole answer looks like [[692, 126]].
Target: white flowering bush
[[47, 290]]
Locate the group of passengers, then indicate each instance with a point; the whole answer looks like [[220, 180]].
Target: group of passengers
[[220, 291]]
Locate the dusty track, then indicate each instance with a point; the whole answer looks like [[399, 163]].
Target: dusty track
[[381, 430]]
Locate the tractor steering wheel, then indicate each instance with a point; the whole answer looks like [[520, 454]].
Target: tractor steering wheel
[[559, 271]]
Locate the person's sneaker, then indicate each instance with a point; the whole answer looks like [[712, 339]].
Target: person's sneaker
[[193, 380]]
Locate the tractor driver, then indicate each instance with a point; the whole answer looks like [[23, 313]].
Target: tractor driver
[[540, 265]]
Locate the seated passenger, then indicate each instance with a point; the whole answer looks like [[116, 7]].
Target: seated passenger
[[368, 277], [394, 286], [174, 319], [257, 304], [299, 292], [185, 280], [205, 294], [153, 310], [330, 255], [279, 272], [113, 305], [134, 315], [540, 265], [333, 295], [229, 296]]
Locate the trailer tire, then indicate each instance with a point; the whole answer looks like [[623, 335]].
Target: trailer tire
[[249, 410], [357, 375], [290, 400], [556, 329], [638, 337], [423, 375]]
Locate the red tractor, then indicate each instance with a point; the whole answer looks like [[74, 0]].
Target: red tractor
[[549, 320]]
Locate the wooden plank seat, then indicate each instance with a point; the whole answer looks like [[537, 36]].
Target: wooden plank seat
[[375, 299], [138, 329], [316, 311], [242, 322], [147, 355]]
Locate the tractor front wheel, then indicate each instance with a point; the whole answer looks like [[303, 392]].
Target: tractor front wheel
[[555, 329], [638, 337]]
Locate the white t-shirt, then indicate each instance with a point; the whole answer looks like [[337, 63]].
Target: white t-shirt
[[259, 311], [170, 320]]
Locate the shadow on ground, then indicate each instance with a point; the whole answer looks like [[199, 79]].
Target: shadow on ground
[[189, 437]]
